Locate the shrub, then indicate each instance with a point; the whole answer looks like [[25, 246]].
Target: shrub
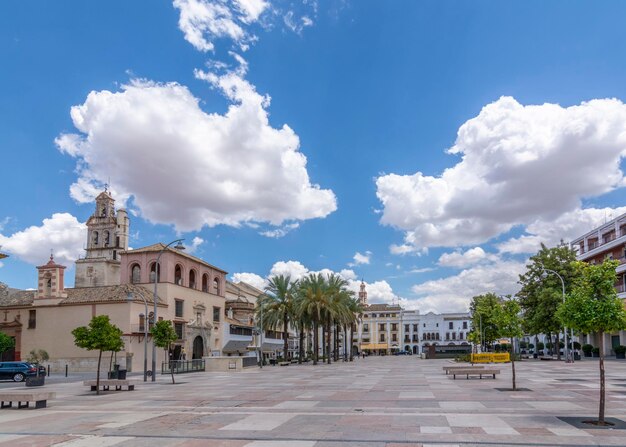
[[587, 348], [596, 350], [576, 345], [540, 345], [621, 349], [531, 345]]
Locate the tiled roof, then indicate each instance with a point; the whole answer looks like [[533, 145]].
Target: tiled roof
[[103, 294], [159, 246]]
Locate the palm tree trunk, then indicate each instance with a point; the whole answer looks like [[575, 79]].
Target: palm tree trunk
[[602, 381], [301, 344], [285, 336], [345, 343], [351, 342], [315, 342], [328, 345]]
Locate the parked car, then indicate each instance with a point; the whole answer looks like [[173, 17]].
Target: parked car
[[18, 371]]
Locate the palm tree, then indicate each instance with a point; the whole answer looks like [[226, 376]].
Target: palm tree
[[312, 304], [356, 308], [277, 305], [337, 311]]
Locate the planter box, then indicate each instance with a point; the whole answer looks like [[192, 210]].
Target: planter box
[[595, 354], [587, 354], [620, 355], [35, 381]]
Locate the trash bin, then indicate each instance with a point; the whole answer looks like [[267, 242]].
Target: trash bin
[[113, 374], [121, 374]]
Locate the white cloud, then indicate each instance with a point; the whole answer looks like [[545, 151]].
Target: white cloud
[[195, 243], [62, 233], [566, 227], [454, 293], [197, 168], [296, 23], [250, 278], [519, 164], [204, 21], [280, 232], [4, 222], [289, 268], [422, 270], [360, 258], [462, 259]]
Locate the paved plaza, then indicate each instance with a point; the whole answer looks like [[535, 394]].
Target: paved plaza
[[377, 401]]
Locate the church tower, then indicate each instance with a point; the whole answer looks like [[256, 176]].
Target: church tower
[[107, 236], [50, 283], [362, 294]]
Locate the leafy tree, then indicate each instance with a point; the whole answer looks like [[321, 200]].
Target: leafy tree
[[482, 309], [101, 335], [541, 294], [509, 324], [37, 356], [312, 303], [6, 342], [164, 335], [593, 306]]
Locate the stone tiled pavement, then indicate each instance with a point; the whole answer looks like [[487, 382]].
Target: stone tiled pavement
[[373, 402]]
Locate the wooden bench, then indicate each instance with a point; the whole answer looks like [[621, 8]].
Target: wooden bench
[[480, 372], [447, 369], [105, 384], [24, 397], [284, 363]]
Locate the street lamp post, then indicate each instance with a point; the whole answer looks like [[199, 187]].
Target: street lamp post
[[157, 271], [129, 297], [568, 359], [261, 337]]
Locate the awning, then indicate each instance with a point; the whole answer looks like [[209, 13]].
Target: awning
[[236, 346], [374, 346], [271, 347]]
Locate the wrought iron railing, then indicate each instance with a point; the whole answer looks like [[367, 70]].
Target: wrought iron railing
[[182, 366]]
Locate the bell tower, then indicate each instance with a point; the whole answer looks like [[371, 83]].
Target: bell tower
[[362, 294], [107, 237], [50, 284]]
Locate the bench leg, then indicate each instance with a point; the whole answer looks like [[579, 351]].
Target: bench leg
[[467, 377], [118, 388], [105, 388], [494, 376], [93, 388], [454, 376], [40, 404], [22, 405], [131, 387], [6, 405]]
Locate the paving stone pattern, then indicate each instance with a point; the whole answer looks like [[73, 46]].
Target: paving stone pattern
[[372, 402]]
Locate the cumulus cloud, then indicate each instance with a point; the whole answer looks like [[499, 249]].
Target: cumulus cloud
[[188, 168], [454, 293], [62, 233], [566, 227], [462, 259], [195, 243], [361, 258], [204, 21], [519, 164], [280, 232], [250, 278]]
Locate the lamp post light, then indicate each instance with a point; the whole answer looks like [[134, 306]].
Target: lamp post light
[[157, 274], [129, 297], [568, 359]]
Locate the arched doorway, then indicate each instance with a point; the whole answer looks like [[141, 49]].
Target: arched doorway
[[415, 349], [198, 348]]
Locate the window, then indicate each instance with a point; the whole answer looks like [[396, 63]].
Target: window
[[216, 285], [407, 327], [95, 238], [178, 275], [142, 323], [154, 266], [424, 324], [216, 314], [178, 328], [179, 308], [460, 335], [437, 325], [465, 325], [205, 283], [381, 327], [236, 330], [366, 328], [394, 327], [373, 315], [107, 238], [382, 337], [135, 274], [447, 335], [451, 325], [415, 328], [32, 319], [394, 337], [192, 279]]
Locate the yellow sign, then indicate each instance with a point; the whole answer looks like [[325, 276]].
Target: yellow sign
[[491, 358], [374, 346]]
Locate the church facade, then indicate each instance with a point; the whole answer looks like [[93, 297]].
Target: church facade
[[113, 280]]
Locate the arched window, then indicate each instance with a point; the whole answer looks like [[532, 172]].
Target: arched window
[[192, 279], [205, 283], [135, 274], [178, 275], [216, 285], [154, 267], [48, 284], [106, 237], [95, 238]]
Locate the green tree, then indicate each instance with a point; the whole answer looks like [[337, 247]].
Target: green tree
[[541, 294], [482, 309], [593, 306], [6, 342], [100, 335], [163, 335], [508, 320], [312, 304], [278, 306], [356, 309]]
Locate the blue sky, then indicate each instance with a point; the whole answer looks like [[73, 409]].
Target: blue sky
[[427, 147]]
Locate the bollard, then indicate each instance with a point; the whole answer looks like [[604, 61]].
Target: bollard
[[48, 371], [65, 370]]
